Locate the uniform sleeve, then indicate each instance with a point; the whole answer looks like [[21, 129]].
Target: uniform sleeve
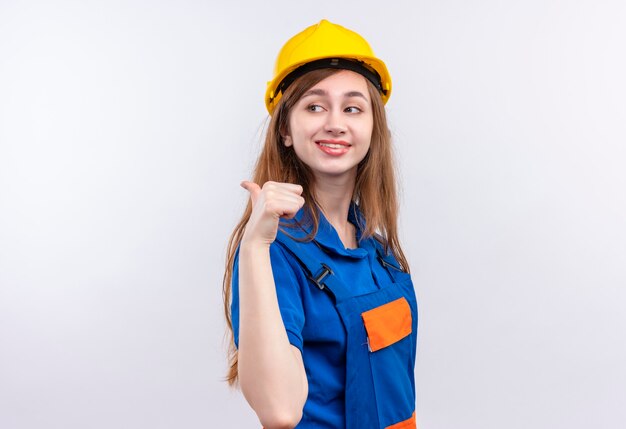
[[288, 281]]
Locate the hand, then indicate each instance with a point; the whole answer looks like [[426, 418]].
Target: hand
[[269, 204]]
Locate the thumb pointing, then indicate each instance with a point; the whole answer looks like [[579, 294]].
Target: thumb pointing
[[253, 188]]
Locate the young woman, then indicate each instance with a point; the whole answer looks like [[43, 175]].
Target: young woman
[[316, 291]]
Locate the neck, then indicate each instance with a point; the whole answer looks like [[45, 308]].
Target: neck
[[334, 198]]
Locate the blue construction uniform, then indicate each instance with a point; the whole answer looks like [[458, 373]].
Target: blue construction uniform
[[353, 315]]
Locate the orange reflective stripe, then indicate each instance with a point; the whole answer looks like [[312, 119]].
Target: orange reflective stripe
[[410, 423], [388, 323]]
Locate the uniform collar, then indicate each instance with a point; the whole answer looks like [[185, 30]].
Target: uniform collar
[[300, 226]]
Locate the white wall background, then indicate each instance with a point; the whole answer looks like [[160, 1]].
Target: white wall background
[[126, 126]]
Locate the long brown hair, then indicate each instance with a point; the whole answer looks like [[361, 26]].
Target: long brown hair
[[375, 189]]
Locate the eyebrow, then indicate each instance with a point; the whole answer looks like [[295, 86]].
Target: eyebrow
[[321, 92]]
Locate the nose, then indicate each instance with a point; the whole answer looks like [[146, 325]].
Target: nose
[[335, 122]]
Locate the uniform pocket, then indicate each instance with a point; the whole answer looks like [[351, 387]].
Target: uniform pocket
[[389, 329], [387, 324]]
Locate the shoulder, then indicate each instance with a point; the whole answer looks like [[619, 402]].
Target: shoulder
[[384, 252], [284, 263], [279, 253]]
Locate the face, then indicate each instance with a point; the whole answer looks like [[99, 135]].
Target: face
[[330, 127]]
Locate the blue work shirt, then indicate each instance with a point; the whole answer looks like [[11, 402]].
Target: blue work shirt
[[310, 317]]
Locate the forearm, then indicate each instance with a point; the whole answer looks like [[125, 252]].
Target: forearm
[[271, 372]]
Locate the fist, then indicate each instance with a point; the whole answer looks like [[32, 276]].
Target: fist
[[270, 203]]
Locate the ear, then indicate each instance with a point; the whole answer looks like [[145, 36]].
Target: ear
[[287, 141]]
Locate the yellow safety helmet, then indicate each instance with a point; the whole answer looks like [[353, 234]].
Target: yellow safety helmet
[[325, 45]]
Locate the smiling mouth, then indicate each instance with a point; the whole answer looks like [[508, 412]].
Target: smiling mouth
[[333, 144]]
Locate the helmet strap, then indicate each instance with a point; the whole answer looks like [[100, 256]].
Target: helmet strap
[[333, 63]]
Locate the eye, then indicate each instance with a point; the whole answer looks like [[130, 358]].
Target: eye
[[314, 108], [352, 109]]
